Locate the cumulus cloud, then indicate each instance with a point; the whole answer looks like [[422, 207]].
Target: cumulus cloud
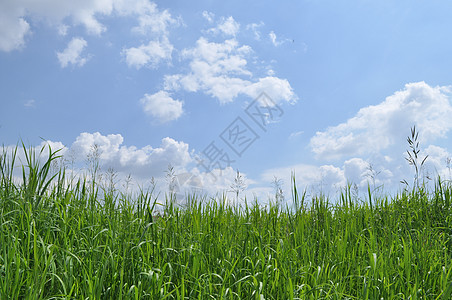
[[356, 170], [79, 12], [439, 161], [65, 13], [146, 162], [151, 20], [151, 54], [227, 26], [370, 148], [215, 69], [217, 180], [41, 152], [276, 88], [328, 177], [153, 23], [218, 183], [142, 162], [331, 178], [220, 70], [378, 127], [161, 106], [73, 53]]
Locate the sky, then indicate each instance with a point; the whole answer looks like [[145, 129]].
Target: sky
[[325, 90]]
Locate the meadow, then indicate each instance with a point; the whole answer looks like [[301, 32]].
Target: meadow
[[62, 239]]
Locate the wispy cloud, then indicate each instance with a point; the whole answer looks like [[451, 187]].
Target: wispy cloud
[[30, 103], [209, 16], [254, 27], [295, 134], [275, 41]]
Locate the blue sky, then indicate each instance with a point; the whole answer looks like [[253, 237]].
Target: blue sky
[[158, 83]]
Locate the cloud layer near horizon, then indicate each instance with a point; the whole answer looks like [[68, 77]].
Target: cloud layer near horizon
[[378, 127], [370, 148]]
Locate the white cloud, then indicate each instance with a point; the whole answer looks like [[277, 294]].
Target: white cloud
[[54, 146], [208, 16], [220, 70], [212, 182], [142, 162], [41, 152], [162, 107], [63, 13], [276, 88], [327, 178], [55, 11], [272, 36], [275, 40], [217, 183], [146, 162], [13, 28], [13, 37], [330, 179], [296, 134], [151, 21], [254, 28], [356, 170], [73, 53], [62, 29], [151, 54], [378, 127], [150, 18], [215, 69], [227, 26], [270, 72], [30, 103], [438, 162], [377, 136]]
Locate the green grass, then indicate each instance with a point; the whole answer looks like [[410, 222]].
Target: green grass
[[76, 242]]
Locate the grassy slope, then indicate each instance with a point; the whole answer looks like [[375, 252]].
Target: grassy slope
[[65, 243]]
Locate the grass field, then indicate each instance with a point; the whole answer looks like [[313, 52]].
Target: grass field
[[80, 242]]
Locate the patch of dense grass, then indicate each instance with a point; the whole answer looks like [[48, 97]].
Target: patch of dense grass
[[63, 242]]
